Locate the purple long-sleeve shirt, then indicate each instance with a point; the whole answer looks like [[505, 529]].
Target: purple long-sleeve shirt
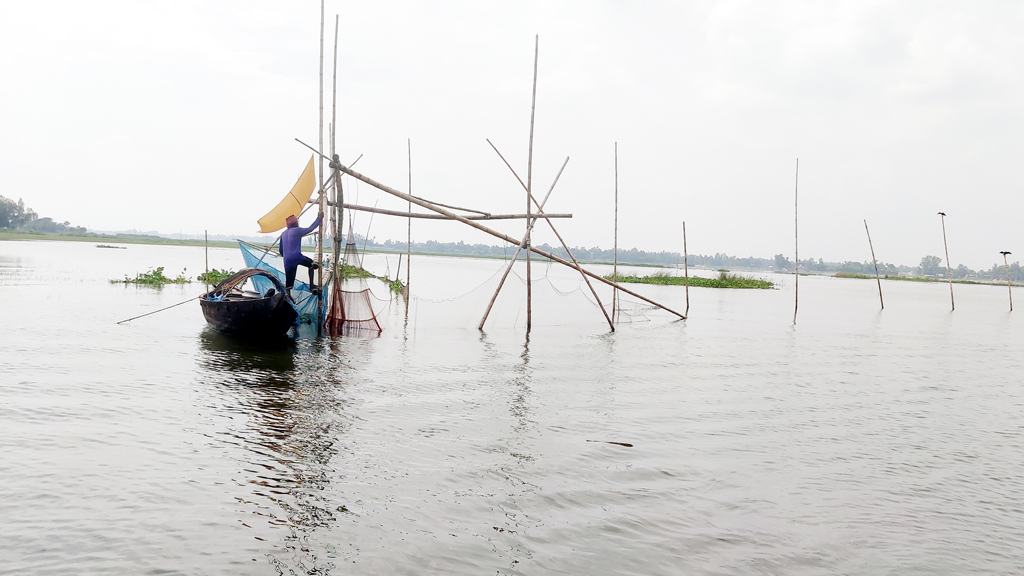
[[291, 242]]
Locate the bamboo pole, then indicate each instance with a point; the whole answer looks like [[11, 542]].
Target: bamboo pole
[[875, 262], [408, 241], [615, 247], [320, 231], [522, 244], [385, 211], [949, 269], [496, 234], [541, 214], [529, 187], [796, 242], [1006, 263], [206, 242], [686, 270]]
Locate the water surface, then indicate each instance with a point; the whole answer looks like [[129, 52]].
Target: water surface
[[856, 441]]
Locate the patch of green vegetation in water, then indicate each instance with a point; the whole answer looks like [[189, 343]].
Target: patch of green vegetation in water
[[153, 278], [214, 276], [725, 279]]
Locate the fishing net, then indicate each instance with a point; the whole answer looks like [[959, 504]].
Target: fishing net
[[306, 303], [351, 311]]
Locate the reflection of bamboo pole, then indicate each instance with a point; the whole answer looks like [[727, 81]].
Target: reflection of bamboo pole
[[496, 234], [529, 188], [540, 214], [1006, 263], [615, 241], [875, 262], [796, 243], [686, 271], [949, 269]]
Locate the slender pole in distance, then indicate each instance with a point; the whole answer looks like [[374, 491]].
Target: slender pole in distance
[[875, 262], [408, 241], [1008, 289], [949, 269], [796, 243], [206, 241], [529, 189], [615, 241], [686, 271]]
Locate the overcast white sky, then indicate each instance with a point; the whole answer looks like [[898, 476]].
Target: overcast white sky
[[180, 116]]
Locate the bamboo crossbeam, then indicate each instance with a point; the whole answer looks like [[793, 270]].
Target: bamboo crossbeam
[[386, 212], [496, 234]]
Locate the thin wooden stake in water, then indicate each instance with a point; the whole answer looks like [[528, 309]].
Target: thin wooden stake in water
[[529, 189], [1008, 289], [796, 243], [686, 271], [206, 242], [408, 241], [949, 269], [875, 262], [615, 240]]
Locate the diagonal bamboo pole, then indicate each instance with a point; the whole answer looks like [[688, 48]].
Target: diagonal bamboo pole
[[949, 269], [529, 226], [496, 234], [875, 262], [540, 210]]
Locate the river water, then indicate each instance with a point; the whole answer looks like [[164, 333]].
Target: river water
[[856, 441]]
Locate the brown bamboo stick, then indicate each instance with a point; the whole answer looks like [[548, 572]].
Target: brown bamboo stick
[[875, 262], [540, 212], [496, 234], [408, 241], [949, 267], [686, 270], [1006, 263], [796, 243], [529, 187], [615, 246], [385, 211], [320, 231]]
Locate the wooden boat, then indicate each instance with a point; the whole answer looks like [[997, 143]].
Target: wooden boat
[[230, 310]]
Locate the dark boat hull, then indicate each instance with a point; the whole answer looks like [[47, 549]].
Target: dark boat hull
[[247, 317]]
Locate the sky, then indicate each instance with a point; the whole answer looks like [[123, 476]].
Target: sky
[[180, 117]]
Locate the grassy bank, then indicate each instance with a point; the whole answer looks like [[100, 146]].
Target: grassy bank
[[725, 279], [914, 279]]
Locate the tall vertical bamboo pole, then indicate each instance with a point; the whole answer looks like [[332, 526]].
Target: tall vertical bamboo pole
[[686, 271], [408, 242], [949, 268], [323, 199], [1006, 263], [206, 242], [875, 262], [336, 213], [796, 243], [529, 188], [615, 240]]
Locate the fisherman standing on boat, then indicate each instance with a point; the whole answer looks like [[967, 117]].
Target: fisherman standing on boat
[[291, 249]]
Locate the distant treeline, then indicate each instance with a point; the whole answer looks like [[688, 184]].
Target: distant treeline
[[16, 216], [930, 266]]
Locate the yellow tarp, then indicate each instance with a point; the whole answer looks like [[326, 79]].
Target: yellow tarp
[[293, 203]]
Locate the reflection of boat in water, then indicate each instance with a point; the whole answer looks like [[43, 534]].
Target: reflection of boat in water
[[265, 313]]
